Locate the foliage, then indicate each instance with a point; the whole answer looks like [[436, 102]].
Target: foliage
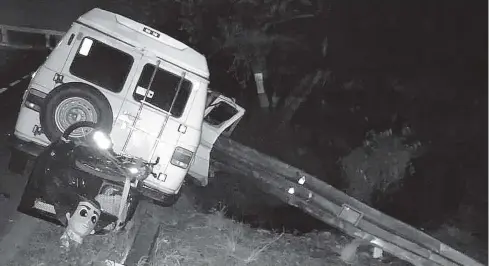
[[383, 160], [192, 17], [245, 32], [247, 37]]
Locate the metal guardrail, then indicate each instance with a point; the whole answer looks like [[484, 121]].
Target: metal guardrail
[[326, 203], [28, 38]]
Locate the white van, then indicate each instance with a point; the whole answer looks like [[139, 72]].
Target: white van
[[146, 88]]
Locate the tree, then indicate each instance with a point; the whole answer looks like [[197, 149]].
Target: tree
[[298, 95], [247, 34], [250, 38], [257, 38]]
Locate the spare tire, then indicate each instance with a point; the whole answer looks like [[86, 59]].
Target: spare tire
[[73, 102]]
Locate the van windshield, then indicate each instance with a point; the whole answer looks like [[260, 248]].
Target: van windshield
[[163, 89]]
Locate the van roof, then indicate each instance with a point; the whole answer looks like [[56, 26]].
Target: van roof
[[142, 36]]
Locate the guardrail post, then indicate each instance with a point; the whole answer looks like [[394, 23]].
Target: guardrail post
[[47, 37], [4, 35]]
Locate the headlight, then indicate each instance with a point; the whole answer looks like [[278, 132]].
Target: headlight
[[133, 170], [102, 140], [137, 171], [181, 157]]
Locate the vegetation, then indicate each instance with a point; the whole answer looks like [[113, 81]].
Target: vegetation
[[383, 161], [194, 238], [190, 237]]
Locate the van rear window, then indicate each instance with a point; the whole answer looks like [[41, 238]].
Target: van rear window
[[101, 64], [163, 90]]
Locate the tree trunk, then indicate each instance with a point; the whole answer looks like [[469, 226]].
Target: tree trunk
[[260, 89], [298, 95], [258, 67]]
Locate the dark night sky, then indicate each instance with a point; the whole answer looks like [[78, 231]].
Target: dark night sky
[[406, 34]]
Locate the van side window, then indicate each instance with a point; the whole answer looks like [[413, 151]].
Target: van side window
[[163, 90], [101, 64], [220, 114]]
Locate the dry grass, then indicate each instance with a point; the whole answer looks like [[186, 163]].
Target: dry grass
[[43, 248], [213, 239], [188, 237]]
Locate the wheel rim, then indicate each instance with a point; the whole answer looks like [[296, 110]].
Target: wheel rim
[[73, 110]]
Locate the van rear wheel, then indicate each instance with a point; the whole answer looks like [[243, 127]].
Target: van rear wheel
[[74, 102]]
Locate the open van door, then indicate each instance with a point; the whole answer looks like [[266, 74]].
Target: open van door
[[221, 116]]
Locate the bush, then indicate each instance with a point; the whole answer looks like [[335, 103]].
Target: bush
[[382, 161]]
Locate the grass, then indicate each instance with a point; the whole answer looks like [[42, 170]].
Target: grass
[[43, 248], [189, 237], [213, 239]]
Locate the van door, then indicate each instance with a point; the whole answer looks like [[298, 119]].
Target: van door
[[221, 117], [148, 124]]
